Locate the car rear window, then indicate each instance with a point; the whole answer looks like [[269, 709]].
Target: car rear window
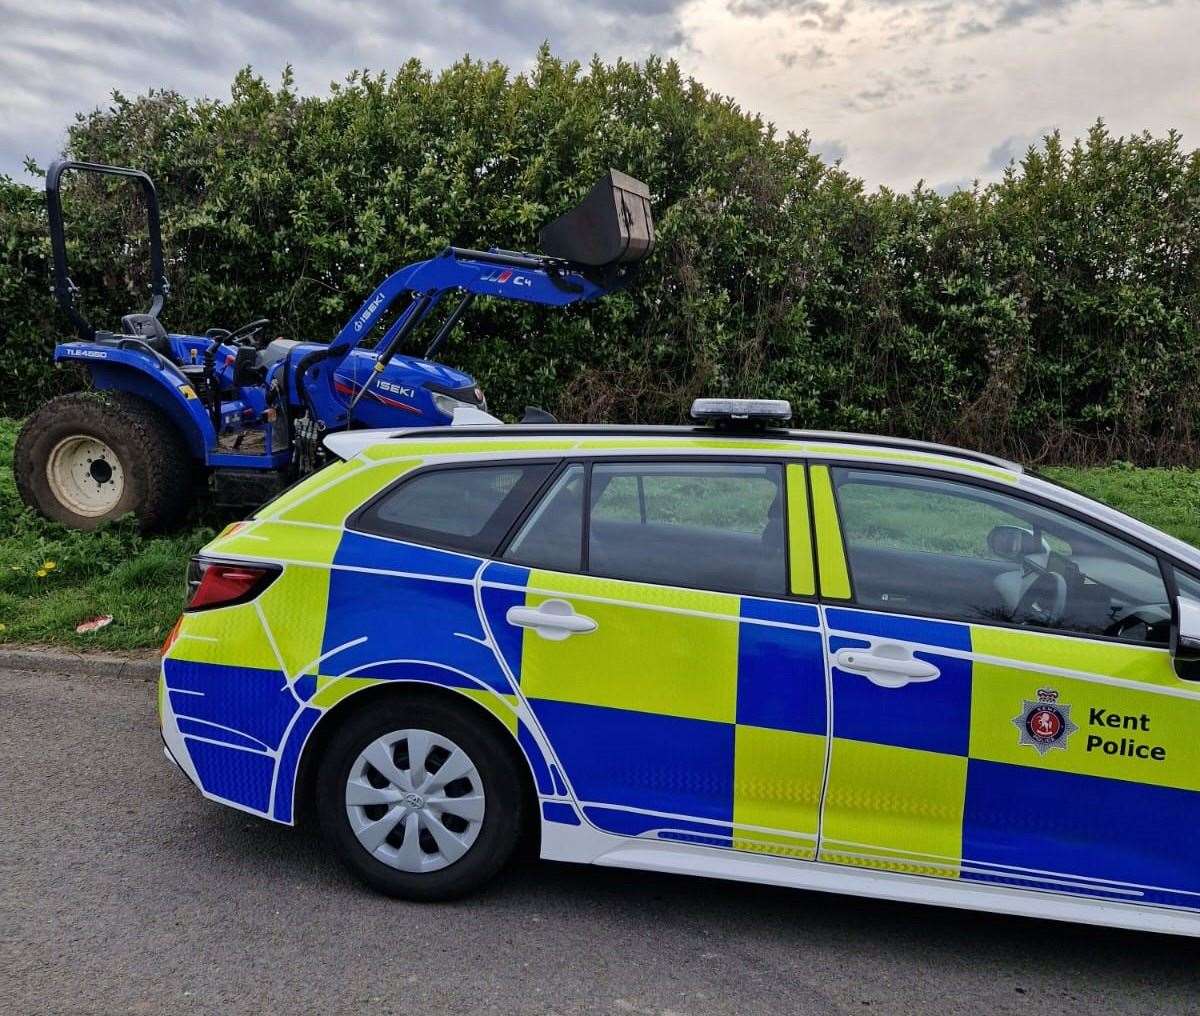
[[706, 525], [467, 508], [552, 536]]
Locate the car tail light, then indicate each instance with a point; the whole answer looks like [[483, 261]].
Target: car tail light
[[225, 584]]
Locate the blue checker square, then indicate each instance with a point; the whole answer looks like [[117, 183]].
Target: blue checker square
[[563, 814], [256, 703], [1086, 826], [781, 679], [496, 604], [931, 716], [643, 760], [243, 777], [407, 618]]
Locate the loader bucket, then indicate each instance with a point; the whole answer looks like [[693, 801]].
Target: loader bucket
[[611, 226]]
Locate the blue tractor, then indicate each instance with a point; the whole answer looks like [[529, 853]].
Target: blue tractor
[[169, 416]]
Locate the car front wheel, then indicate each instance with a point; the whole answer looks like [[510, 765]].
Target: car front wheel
[[420, 800]]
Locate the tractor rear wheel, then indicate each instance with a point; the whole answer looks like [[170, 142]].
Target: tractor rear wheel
[[86, 458]]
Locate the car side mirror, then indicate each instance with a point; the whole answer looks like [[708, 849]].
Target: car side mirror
[[1012, 543], [1185, 639]]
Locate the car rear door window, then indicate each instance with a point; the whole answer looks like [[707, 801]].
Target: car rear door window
[[925, 545], [467, 508], [707, 525], [552, 536]]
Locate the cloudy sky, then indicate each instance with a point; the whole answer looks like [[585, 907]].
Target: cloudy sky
[[944, 91]]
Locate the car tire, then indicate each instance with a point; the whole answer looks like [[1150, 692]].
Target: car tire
[[348, 825], [131, 452]]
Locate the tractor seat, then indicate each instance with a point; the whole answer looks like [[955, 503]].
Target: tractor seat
[[150, 330], [275, 351]]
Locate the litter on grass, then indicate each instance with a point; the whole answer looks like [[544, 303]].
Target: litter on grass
[[93, 624]]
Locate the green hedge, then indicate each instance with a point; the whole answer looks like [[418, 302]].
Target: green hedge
[[1053, 315]]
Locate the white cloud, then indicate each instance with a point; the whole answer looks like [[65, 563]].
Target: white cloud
[[914, 95], [62, 58], [910, 89]]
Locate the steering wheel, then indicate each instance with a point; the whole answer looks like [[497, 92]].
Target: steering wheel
[[1140, 622], [1044, 599], [249, 331]]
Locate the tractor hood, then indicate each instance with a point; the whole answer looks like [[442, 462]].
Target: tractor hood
[[407, 392]]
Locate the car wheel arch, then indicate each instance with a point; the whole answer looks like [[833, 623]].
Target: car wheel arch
[[411, 690]]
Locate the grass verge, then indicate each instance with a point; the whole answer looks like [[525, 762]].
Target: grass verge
[[52, 578]]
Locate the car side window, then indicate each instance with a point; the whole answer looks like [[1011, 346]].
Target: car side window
[[707, 525], [552, 536], [924, 545], [467, 508]]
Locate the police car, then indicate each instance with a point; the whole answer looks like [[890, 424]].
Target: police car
[[831, 661]]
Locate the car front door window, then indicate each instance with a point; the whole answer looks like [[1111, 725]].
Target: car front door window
[[952, 550]]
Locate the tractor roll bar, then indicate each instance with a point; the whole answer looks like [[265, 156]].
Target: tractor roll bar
[[64, 288]]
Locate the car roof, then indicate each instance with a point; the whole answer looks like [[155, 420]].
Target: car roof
[[612, 437]]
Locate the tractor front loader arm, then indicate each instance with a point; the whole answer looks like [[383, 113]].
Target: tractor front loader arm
[[505, 275], [590, 252], [528, 278]]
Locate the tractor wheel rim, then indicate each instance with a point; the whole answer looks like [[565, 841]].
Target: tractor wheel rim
[[415, 800], [85, 475]]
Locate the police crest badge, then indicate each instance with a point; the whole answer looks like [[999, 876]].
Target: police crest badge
[[1046, 723]]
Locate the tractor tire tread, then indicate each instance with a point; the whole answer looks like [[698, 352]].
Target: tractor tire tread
[[164, 469]]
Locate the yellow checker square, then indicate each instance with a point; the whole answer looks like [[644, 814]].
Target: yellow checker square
[[894, 808], [276, 541], [503, 707], [933, 461], [677, 662], [294, 609], [777, 785], [332, 690], [309, 485], [335, 504], [734, 445], [1143, 664], [492, 446], [1115, 733], [219, 636]]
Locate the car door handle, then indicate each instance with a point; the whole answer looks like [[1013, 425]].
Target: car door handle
[[554, 620], [887, 665]]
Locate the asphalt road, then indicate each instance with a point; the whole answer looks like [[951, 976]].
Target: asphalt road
[[121, 890]]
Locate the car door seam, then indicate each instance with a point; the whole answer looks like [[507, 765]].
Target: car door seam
[[524, 710], [828, 665]]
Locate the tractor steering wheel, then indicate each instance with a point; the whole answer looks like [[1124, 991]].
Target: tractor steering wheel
[[248, 331]]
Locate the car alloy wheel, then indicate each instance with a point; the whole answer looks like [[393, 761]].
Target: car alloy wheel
[[415, 800]]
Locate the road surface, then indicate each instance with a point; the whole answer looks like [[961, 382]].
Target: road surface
[[122, 891]]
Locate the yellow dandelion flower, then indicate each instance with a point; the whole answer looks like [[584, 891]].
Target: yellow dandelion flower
[[3, 627], [49, 565], [42, 573]]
